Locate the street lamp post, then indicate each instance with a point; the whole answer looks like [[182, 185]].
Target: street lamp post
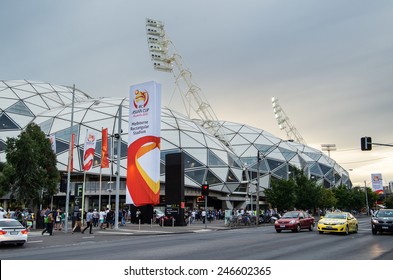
[[365, 190], [257, 189]]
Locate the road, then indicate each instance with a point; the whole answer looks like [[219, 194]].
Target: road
[[258, 243]]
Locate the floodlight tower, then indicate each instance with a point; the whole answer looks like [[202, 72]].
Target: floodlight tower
[[285, 124], [165, 58]]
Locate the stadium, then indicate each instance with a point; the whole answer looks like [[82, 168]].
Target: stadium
[[233, 173]]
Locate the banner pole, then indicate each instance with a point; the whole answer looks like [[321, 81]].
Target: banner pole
[[83, 195]]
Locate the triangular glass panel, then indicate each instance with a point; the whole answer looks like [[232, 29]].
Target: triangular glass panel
[[7, 124], [188, 142], [325, 169], [273, 164], [231, 178], [233, 187], [282, 172], [315, 169], [46, 126], [264, 148], [314, 156], [66, 135], [214, 160], [61, 146], [20, 108], [190, 162], [233, 161], [2, 146], [197, 176], [212, 179], [288, 154]]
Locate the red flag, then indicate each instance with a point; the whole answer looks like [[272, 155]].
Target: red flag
[[104, 150]]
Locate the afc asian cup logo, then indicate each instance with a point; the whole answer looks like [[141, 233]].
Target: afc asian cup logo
[[141, 98], [90, 138]]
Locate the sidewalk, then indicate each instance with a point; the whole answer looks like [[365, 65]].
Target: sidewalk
[[145, 229]]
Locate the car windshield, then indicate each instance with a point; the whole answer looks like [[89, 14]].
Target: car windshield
[[10, 223], [290, 215], [384, 214], [336, 216]]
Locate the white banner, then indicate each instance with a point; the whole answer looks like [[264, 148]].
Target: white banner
[[144, 130], [376, 181], [89, 149]]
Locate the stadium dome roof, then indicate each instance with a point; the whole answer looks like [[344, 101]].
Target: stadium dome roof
[[206, 158]]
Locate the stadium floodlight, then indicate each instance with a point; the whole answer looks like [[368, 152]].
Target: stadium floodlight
[[328, 148], [158, 45]]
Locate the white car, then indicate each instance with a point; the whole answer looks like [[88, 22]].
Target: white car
[[12, 232]]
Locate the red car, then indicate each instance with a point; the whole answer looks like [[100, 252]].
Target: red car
[[295, 221]]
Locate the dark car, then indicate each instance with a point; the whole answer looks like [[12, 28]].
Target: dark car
[[295, 221], [382, 220]]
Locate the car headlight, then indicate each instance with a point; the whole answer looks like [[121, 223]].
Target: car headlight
[[374, 221], [292, 221], [341, 223]]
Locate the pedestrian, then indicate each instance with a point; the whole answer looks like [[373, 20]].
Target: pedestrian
[[138, 215], [57, 218], [78, 221], [102, 218], [204, 216], [89, 221], [48, 221], [96, 216]]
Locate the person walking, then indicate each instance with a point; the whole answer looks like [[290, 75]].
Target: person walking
[[89, 221], [48, 221], [78, 221]]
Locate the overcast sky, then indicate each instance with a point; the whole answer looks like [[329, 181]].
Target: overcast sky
[[329, 63]]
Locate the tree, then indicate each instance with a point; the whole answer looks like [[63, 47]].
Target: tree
[[389, 202], [343, 197], [30, 169], [281, 194], [307, 192], [327, 199]]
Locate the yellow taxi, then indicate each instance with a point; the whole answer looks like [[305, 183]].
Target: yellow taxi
[[341, 222]]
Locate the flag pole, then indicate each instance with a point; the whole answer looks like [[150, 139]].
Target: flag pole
[[69, 164], [83, 195], [99, 195]]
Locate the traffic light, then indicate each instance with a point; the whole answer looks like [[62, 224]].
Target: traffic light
[[365, 143], [63, 184], [205, 190]]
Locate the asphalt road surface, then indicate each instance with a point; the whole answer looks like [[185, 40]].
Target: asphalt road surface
[[258, 243]]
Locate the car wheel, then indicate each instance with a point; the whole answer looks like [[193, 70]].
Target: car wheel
[[20, 244], [278, 230], [298, 228], [347, 230], [356, 228], [311, 227], [374, 231], [320, 232]]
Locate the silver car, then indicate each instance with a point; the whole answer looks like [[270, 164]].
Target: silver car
[[12, 232]]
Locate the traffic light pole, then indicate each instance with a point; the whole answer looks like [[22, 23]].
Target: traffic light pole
[[206, 211]]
